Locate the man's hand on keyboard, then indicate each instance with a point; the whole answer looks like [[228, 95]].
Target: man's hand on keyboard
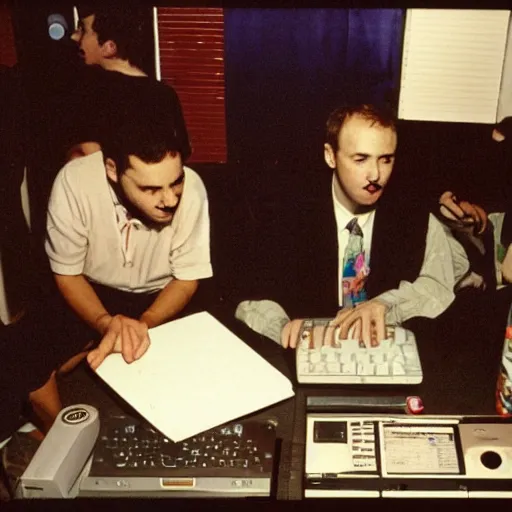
[[371, 316], [125, 335], [290, 333]]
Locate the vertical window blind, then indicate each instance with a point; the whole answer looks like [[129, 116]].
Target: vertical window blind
[[191, 50], [452, 64], [7, 46]]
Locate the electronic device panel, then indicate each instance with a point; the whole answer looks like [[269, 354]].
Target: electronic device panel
[[404, 456]]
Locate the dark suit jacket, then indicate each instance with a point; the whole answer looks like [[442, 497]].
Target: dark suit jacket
[[301, 271]]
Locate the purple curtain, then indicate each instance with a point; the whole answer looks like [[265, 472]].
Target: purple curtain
[[286, 69]]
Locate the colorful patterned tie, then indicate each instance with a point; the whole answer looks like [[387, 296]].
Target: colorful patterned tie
[[355, 269]]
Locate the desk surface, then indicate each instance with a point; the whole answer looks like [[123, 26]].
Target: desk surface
[[459, 378]]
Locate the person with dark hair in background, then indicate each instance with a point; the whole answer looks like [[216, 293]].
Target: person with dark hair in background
[[109, 40], [488, 237]]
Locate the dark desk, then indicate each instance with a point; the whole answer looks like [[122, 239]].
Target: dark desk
[[459, 378]]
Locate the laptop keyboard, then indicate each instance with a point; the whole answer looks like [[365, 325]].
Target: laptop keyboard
[[322, 358], [129, 447]]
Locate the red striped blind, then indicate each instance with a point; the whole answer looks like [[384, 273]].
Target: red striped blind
[[7, 47], [191, 46]]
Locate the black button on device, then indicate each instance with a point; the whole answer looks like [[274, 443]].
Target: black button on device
[[491, 460]]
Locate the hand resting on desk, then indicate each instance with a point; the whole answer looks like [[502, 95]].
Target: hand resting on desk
[[124, 335]]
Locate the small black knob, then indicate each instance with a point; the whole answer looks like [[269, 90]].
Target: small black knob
[[491, 460]]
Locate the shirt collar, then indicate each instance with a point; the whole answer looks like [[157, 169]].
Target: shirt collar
[[346, 216], [123, 217]]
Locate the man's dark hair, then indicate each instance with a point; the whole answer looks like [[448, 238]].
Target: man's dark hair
[[149, 141], [381, 115], [121, 23]]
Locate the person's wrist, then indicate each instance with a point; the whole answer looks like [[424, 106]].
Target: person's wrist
[[102, 322], [148, 318]]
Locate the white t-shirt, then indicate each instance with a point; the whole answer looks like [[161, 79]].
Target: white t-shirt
[[84, 236]]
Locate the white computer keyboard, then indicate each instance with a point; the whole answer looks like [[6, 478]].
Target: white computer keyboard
[[322, 358]]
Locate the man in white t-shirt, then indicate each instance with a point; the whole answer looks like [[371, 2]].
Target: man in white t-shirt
[[128, 238]]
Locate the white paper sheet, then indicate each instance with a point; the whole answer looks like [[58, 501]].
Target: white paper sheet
[[195, 375], [453, 65]]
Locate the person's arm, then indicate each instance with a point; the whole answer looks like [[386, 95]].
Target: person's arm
[[462, 216], [130, 336], [169, 302], [119, 333], [67, 240], [467, 221], [506, 266], [428, 296], [189, 257], [66, 246], [82, 298], [433, 291]]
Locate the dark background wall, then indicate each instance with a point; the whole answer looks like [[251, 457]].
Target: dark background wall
[[49, 71], [285, 69]]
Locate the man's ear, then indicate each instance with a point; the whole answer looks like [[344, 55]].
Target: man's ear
[[329, 156], [111, 168], [109, 49]]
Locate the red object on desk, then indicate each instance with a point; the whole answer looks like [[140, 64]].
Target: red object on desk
[[414, 405]]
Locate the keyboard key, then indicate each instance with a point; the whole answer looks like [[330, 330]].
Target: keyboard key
[[382, 369], [303, 357], [408, 352], [363, 357], [349, 360], [304, 368], [350, 345], [400, 336], [377, 356], [347, 357], [367, 369], [330, 353], [385, 345], [349, 368], [398, 368], [168, 462], [397, 357], [315, 357], [333, 367], [320, 368]]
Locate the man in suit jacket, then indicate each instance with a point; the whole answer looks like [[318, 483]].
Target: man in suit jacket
[[414, 260]]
